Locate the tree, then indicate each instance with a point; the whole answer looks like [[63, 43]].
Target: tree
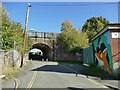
[[12, 33], [6, 32], [66, 25], [72, 38], [93, 25]]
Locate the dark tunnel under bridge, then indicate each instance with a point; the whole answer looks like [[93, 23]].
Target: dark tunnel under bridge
[[43, 52]]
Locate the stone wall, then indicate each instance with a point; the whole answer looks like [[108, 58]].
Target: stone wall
[[10, 58]]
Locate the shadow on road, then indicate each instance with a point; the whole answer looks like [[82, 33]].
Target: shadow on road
[[53, 68], [65, 68]]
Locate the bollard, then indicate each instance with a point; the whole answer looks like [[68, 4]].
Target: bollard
[[76, 74], [42, 59], [47, 59]]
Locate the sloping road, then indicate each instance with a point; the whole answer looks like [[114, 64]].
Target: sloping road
[[54, 75]]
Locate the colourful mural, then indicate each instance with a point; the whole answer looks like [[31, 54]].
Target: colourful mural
[[102, 51]]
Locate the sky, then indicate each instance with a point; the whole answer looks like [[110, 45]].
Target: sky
[[48, 16]]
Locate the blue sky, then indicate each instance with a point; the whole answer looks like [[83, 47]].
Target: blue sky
[[48, 16]]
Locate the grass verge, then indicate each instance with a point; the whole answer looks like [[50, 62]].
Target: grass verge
[[99, 72], [10, 71], [102, 73]]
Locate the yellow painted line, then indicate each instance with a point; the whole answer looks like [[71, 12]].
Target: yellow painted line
[[17, 82], [32, 80]]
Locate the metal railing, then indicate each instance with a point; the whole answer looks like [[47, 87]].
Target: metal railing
[[41, 34]]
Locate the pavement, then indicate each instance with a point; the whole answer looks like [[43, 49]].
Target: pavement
[[14, 82], [111, 83], [108, 81], [114, 84]]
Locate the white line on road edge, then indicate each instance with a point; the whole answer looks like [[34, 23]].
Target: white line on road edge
[[96, 83], [84, 76], [73, 71], [113, 87]]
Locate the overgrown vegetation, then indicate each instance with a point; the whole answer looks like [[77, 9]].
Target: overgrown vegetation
[[12, 33], [93, 25], [10, 72], [71, 38], [101, 73], [11, 39]]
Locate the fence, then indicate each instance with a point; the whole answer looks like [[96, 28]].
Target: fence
[[88, 56]]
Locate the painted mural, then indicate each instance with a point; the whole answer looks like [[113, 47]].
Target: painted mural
[[102, 51]]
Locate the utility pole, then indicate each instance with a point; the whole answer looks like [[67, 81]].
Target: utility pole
[[118, 12], [13, 53], [24, 40]]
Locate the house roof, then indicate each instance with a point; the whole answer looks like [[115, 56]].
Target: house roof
[[108, 27]]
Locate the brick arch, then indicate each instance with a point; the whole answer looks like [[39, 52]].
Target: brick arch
[[47, 42], [41, 45], [43, 38], [45, 48]]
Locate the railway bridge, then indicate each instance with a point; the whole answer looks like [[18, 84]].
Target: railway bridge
[[44, 41]]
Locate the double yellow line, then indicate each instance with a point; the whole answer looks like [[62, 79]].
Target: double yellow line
[[32, 80], [17, 83]]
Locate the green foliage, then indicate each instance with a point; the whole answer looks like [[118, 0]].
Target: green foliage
[[93, 25], [12, 33], [72, 38], [66, 25], [6, 32]]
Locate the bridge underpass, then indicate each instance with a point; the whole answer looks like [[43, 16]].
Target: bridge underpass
[[44, 55], [43, 41]]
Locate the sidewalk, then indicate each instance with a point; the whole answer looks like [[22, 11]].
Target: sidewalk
[[111, 83], [108, 81], [8, 83]]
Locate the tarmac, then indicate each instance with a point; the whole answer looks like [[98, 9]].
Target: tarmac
[[111, 83]]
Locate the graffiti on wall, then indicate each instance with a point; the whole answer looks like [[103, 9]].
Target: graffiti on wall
[[103, 56]]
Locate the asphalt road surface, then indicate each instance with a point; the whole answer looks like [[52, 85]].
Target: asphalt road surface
[[53, 75]]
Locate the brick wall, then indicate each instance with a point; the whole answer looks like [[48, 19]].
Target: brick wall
[[115, 46], [62, 55], [66, 56]]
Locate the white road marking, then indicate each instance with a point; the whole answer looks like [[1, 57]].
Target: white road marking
[[74, 71], [85, 77]]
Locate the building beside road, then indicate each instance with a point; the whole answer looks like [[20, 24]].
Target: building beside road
[[105, 49]]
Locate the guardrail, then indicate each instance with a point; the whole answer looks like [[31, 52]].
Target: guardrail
[[41, 34]]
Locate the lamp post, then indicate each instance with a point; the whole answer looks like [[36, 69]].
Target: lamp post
[[24, 39]]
